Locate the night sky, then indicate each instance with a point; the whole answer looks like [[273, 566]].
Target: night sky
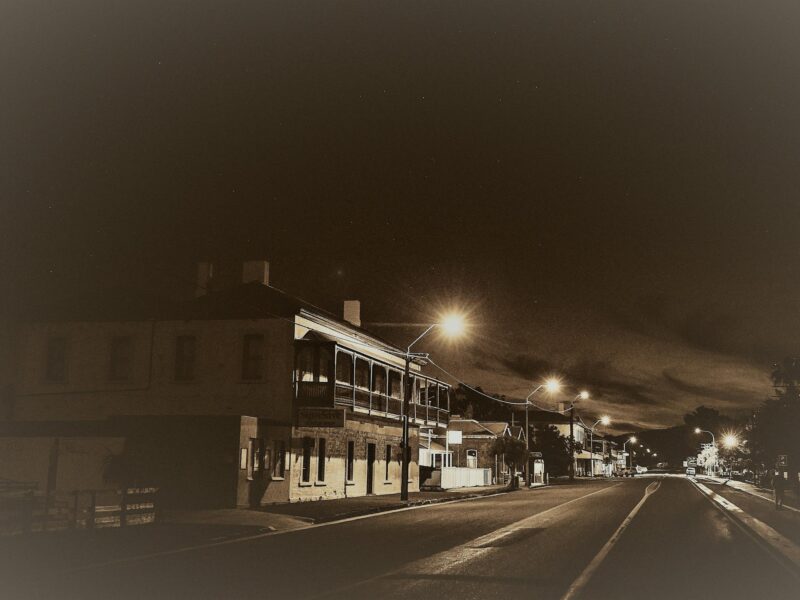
[[610, 188]]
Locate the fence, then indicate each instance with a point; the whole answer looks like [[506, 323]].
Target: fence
[[454, 477], [28, 510]]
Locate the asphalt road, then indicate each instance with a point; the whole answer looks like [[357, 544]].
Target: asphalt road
[[559, 542]]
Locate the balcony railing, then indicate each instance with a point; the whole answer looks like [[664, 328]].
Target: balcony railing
[[362, 400], [313, 393]]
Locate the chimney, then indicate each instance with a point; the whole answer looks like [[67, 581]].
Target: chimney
[[562, 406], [205, 273], [255, 270], [352, 312]]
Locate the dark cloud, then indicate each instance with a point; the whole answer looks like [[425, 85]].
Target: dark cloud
[[527, 367], [694, 389]]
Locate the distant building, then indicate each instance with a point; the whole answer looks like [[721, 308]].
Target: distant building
[[243, 396], [604, 454], [476, 450]]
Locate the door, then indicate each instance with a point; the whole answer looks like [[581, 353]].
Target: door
[[370, 467]]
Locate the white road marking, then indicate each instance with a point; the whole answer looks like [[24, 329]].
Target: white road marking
[[453, 557], [237, 540], [590, 569], [785, 547]]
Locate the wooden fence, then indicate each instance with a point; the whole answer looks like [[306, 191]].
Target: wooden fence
[[28, 510]]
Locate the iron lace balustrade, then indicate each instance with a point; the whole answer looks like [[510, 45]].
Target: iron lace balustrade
[[372, 403]]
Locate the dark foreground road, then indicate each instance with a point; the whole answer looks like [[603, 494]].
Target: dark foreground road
[[551, 543]]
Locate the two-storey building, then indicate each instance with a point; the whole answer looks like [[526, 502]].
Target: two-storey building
[[243, 396]]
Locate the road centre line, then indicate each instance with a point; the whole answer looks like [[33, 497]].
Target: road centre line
[[779, 543], [184, 549], [582, 579], [453, 557]]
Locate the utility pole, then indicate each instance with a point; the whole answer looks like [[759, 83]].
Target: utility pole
[[572, 442], [527, 448], [405, 444]]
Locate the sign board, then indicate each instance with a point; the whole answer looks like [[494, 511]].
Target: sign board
[[453, 437], [537, 455], [691, 462], [320, 417], [783, 460], [686, 463]]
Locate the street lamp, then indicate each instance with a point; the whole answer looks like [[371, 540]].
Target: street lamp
[[582, 395], [605, 421], [713, 439], [453, 326], [552, 386], [632, 440], [730, 441]]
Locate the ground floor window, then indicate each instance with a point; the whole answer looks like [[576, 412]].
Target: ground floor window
[[256, 460], [279, 466], [351, 456], [472, 459], [321, 449], [388, 460], [308, 445]]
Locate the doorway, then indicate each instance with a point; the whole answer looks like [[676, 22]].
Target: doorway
[[370, 467]]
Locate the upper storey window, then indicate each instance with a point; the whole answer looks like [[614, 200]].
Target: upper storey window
[[55, 370], [185, 348], [121, 358], [253, 357]]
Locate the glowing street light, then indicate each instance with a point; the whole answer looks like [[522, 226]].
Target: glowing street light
[[730, 441], [552, 385], [452, 325]]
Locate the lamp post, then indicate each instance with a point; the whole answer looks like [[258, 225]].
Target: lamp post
[[605, 421], [453, 325], [632, 440], [584, 395], [552, 385], [730, 441], [713, 439]]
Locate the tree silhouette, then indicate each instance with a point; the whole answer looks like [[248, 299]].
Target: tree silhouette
[[513, 452]]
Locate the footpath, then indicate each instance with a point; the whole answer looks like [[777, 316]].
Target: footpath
[[791, 501], [30, 555], [754, 508]]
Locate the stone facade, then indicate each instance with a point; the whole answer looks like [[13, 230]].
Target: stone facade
[[363, 433]]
